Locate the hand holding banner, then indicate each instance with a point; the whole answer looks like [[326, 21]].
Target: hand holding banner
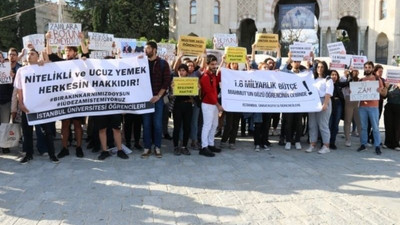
[[235, 55], [191, 45]]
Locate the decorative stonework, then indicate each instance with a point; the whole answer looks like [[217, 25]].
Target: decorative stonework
[[349, 8], [246, 9]]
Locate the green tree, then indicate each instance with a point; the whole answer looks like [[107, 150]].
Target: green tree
[[27, 20], [8, 26]]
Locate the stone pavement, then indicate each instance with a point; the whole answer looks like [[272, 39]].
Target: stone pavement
[[235, 187]]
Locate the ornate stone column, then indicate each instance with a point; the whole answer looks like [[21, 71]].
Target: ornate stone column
[[363, 48], [323, 42]]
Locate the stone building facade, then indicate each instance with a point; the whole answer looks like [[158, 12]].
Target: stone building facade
[[373, 26]]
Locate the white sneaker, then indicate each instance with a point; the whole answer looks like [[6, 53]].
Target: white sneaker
[[397, 148], [310, 149], [266, 148], [369, 145], [288, 146], [384, 146], [257, 148], [298, 145], [348, 143], [324, 150]]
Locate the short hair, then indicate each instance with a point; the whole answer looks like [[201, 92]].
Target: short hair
[[33, 50], [72, 48], [13, 50], [183, 66], [152, 44], [211, 58], [377, 67], [369, 63], [269, 58]]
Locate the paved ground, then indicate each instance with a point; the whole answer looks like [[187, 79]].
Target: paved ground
[[235, 187]]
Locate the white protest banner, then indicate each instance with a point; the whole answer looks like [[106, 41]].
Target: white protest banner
[[336, 48], [37, 40], [268, 91], [300, 51], [224, 40], [65, 34], [393, 76], [100, 41], [364, 90], [166, 51], [89, 87], [5, 69], [357, 62], [99, 54], [340, 61]]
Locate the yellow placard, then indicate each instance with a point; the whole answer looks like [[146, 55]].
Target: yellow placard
[[235, 55], [191, 45], [186, 86], [266, 42]]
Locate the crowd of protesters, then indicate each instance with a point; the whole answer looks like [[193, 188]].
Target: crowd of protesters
[[197, 118]]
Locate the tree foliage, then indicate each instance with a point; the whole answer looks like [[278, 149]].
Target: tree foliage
[[124, 18], [27, 20], [9, 27]]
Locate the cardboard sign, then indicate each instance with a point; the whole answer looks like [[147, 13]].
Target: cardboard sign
[[186, 86], [5, 69], [65, 34], [336, 48], [357, 61], [224, 40], [393, 76], [100, 41], [364, 91], [191, 45], [300, 51], [37, 40], [266, 42], [235, 55]]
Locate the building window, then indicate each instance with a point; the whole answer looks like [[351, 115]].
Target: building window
[[216, 12], [193, 11], [383, 9]]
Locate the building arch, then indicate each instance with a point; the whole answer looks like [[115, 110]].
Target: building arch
[[246, 33], [381, 48], [350, 36]]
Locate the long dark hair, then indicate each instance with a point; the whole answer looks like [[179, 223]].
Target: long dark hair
[[338, 76], [326, 70]]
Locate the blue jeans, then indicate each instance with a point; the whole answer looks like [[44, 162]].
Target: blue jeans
[[152, 126], [371, 113], [337, 109]]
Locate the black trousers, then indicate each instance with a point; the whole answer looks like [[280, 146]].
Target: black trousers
[[293, 125], [135, 121], [27, 131], [231, 127], [182, 114], [261, 130], [392, 125]]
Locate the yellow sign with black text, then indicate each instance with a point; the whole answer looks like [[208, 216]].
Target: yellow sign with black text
[[186, 86]]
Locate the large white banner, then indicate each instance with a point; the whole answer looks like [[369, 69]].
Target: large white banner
[[268, 91], [89, 87], [364, 91]]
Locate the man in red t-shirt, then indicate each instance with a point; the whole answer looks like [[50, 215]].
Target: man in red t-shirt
[[210, 107]]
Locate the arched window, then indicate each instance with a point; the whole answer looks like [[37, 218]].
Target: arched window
[[383, 9], [217, 11], [193, 11]]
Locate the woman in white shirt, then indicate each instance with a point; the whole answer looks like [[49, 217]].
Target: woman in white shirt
[[319, 121]]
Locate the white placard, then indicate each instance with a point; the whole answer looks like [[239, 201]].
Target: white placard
[[357, 62], [393, 76], [65, 34], [300, 51], [37, 40], [364, 91], [336, 48], [74, 88], [5, 69], [340, 61], [99, 54], [268, 91], [224, 40], [100, 41]]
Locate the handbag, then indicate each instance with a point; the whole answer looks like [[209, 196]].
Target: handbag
[[10, 133]]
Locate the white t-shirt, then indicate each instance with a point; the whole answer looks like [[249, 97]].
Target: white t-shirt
[[324, 86], [18, 79]]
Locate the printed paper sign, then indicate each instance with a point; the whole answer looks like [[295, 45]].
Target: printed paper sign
[[357, 62], [393, 76], [268, 91], [99, 54], [37, 40], [100, 41], [74, 88], [191, 45], [340, 61], [166, 51], [65, 34], [336, 48], [235, 55], [5, 77], [300, 51], [186, 86], [364, 91], [266, 42], [224, 40]]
